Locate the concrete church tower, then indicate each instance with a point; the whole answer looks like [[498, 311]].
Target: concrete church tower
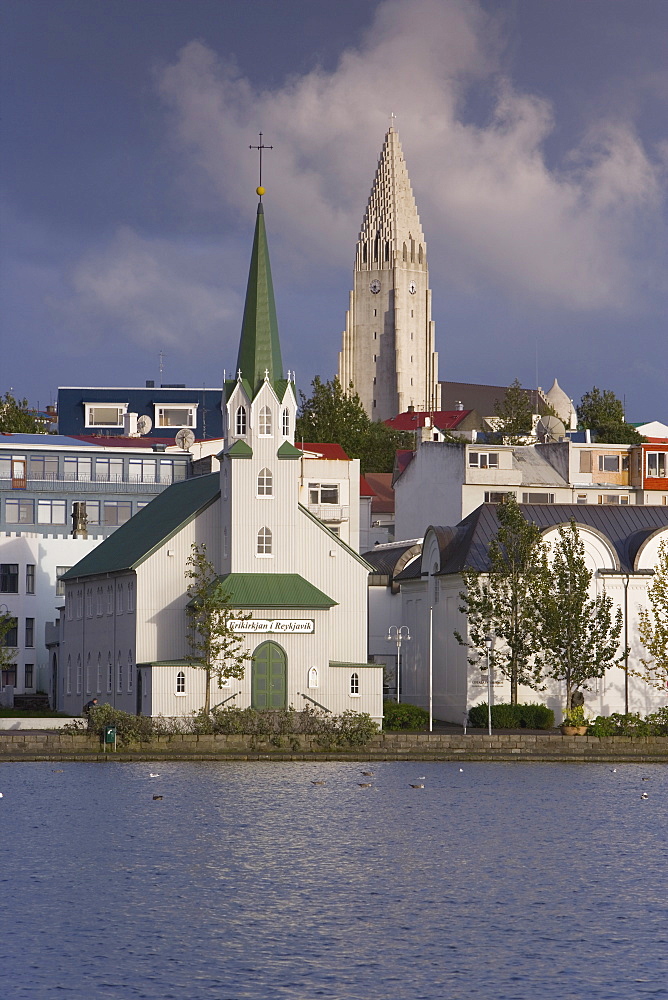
[[388, 344]]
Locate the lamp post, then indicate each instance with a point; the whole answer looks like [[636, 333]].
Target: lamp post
[[398, 633], [431, 669], [489, 641], [625, 580]]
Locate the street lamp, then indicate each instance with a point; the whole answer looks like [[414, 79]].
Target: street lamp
[[489, 642], [398, 633]]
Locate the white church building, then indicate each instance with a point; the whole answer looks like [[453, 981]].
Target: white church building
[[124, 633]]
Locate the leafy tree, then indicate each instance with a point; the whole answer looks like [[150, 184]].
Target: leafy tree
[[506, 601], [16, 416], [7, 653], [580, 635], [603, 413], [653, 626], [332, 415], [514, 414], [215, 647]]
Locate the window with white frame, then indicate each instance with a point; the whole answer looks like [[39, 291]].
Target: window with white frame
[[613, 498], [286, 422], [19, 511], [105, 414], [265, 483], [176, 415], [483, 460], [498, 497], [240, 422], [609, 463], [30, 578], [142, 470], [43, 466], [110, 674], [109, 470], [313, 677], [355, 684], [75, 467], [119, 675], [264, 542], [265, 422], [319, 493], [180, 682], [581, 498], [538, 498], [657, 463], [51, 511], [79, 674]]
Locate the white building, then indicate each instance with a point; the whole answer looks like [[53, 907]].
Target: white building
[[388, 344], [124, 628], [621, 547]]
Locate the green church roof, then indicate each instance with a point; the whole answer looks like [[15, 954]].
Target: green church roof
[[259, 348], [150, 527], [273, 590]]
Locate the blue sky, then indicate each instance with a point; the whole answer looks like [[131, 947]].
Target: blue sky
[[535, 137]]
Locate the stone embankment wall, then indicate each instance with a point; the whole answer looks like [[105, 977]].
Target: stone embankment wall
[[58, 746]]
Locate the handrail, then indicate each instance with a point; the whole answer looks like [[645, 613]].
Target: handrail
[[323, 707], [224, 700]]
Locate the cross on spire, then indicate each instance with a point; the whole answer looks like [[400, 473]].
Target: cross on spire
[[260, 147]]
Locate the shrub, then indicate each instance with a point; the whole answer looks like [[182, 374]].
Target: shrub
[[403, 716], [129, 728], [507, 716], [631, 724]]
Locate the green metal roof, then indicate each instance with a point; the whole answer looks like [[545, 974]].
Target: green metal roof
[[259, 348], [273, 590], [239, 450], [150, 527], [288, 451]]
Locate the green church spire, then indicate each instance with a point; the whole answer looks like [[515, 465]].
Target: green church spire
[[259, 348]]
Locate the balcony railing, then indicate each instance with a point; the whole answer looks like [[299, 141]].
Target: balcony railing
[[329, 511], [53, 485]]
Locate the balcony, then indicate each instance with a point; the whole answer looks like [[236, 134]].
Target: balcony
[[83, 486], [329, 512]]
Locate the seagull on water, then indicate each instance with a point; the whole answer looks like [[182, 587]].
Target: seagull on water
[[317, 782], [152, 775], [365, 784], [644, 795]]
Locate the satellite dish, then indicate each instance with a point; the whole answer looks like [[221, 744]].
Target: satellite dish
[[550, 429], [185, 438], [144, 424]]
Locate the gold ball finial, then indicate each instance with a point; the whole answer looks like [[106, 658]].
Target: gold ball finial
[[259, 191]]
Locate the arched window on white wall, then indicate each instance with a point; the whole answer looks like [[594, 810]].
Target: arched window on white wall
[[264, 542], [181, 682], [110, 674], [313, 677], [120, 674], [286, 422], [265, 422], [69, 675], [355, 683], [240, 421], [88, 677], [79, 674], [265, 483], [130, 672], [99, 673]]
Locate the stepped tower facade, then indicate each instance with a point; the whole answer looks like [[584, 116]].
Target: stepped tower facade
[[388, 344]]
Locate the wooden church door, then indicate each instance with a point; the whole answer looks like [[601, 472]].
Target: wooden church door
[[269, 677]]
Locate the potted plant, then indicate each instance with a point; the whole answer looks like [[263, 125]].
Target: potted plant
[[575, 723]]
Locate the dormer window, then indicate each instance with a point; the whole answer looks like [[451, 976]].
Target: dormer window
[[264, 425], [286, 422], [240, 421], [173, 415]]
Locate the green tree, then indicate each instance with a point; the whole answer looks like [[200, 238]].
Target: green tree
[[7, 653], [215, 647], [514, 414], [603, 413], [506, 601], [16, 416], [653, 626], [580, 634], [332, 415]]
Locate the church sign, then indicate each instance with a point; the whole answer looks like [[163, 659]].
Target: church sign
[[280, 625]]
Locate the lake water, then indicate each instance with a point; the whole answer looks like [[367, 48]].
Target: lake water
[[499, 882]]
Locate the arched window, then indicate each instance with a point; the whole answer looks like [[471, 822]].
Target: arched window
[[387, 250], [376, 244], [264, 427], [69, 675], [119, 687], [265, 483], [240, 421], [286, 422], [88, 677], [354, 683], [130, 672], [110, 675], [99, 673], [79, 674], [131, 595], [420, 256], [313, 677], [405, 253], [364, 252], [181, 682], [119, 599], [89, 602], [264, 542]]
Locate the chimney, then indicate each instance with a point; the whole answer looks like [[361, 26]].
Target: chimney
[[411, 408], [130, 425]]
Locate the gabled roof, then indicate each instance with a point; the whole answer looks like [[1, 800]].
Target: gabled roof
[[273, 590], [381, 484], [366, 490], [467, 544], [150, 527], [402, 459], [259, 347]]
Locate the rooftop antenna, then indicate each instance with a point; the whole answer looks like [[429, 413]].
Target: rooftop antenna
[[393, 118], [162, 365], [260, 147]]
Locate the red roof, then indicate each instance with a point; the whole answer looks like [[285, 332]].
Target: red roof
[[444, 420], [381, 484], [366, 490], [326, 451], [402, 460]]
